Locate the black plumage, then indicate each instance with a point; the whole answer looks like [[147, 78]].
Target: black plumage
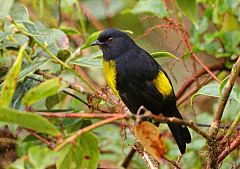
[[133, 80]]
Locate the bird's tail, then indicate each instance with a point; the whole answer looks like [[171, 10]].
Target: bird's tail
[[180, 133]]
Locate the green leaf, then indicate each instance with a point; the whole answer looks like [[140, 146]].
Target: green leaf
[[52, 38], [231, 41], [163, 54], [9, 86], [45, 89], [31, 68], [63, 55], [90, 39], [27, 142], [94, 63], [51, 101], [19, 13], [66, 160], [230, 22], [5, 6], [28, 120], [41, 157], [92, 60], [69, 30], [154, 7], [18, 164], [213, 91], [91, 151], [84, 154], [222, 85], [189, 8]]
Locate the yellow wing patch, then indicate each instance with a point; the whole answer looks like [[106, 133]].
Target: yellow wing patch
[[162, 84], [109, 69]]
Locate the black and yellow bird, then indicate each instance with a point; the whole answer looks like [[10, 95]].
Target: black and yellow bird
[[138, 80]]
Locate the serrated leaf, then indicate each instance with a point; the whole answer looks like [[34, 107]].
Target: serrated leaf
[[41, 157], [28, 120], [9, 86], [189, 8], [155, 7], [52, 38], [45, 89], [151, 139]]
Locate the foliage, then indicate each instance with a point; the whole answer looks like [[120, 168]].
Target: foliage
[[50, 79]]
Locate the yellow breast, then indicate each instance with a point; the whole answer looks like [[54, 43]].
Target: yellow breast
[[109, 69], [162, 84]]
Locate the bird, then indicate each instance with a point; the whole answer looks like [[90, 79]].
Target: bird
[[138, 80]]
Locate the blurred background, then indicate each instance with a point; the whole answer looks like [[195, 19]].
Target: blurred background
[[211, 28]]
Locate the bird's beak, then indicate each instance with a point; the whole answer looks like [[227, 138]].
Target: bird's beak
[[96, 42]]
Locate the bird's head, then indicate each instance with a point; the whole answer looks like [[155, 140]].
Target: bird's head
[[113, 43]]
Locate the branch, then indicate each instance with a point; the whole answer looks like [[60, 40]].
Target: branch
[[185, 37], [88, 128], [150, 163], [192, 91], [107, 96], [128, 158], [213, 131], [52, 55], [96, 23], [74, 86], [193, 78], [222, 103], [232, 127], [229, 149], [179, 121], [40, 138], [80, 115]]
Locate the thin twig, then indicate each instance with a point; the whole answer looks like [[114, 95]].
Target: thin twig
[[88, 128], [41, 138], [96, 23], [232, 127], [229, 149], [128, 158], [79, 115], [53, 56], [213, 131], [145, 156], [59, 12], [192, 79], [193, 90], [181, 122], [222, 103], [59, 114]]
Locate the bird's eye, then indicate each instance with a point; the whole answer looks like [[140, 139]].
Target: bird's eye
[[110, 39]]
